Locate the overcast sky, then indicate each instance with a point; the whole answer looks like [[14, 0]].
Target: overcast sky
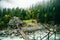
[[18, 3]]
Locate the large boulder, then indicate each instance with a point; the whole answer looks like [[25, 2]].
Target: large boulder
[[14, 21]]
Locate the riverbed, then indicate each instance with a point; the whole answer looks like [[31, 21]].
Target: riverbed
[[36, 35]]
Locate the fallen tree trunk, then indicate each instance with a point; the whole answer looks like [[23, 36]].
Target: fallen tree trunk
[[22, 33]]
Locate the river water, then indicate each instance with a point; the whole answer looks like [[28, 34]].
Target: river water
[[37, 35]]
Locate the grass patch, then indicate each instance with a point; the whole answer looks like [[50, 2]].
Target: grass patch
[[29, 21]]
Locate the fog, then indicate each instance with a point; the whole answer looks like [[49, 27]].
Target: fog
[[18, 3]]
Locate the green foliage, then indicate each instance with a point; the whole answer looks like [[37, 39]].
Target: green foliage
[[42, 13]]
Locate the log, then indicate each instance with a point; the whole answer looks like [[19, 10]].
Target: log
[[22, 33]]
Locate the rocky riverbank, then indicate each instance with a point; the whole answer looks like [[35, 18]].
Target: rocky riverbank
[[6, 33]]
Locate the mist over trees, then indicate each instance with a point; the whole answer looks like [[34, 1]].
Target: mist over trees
[[46, 13]]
